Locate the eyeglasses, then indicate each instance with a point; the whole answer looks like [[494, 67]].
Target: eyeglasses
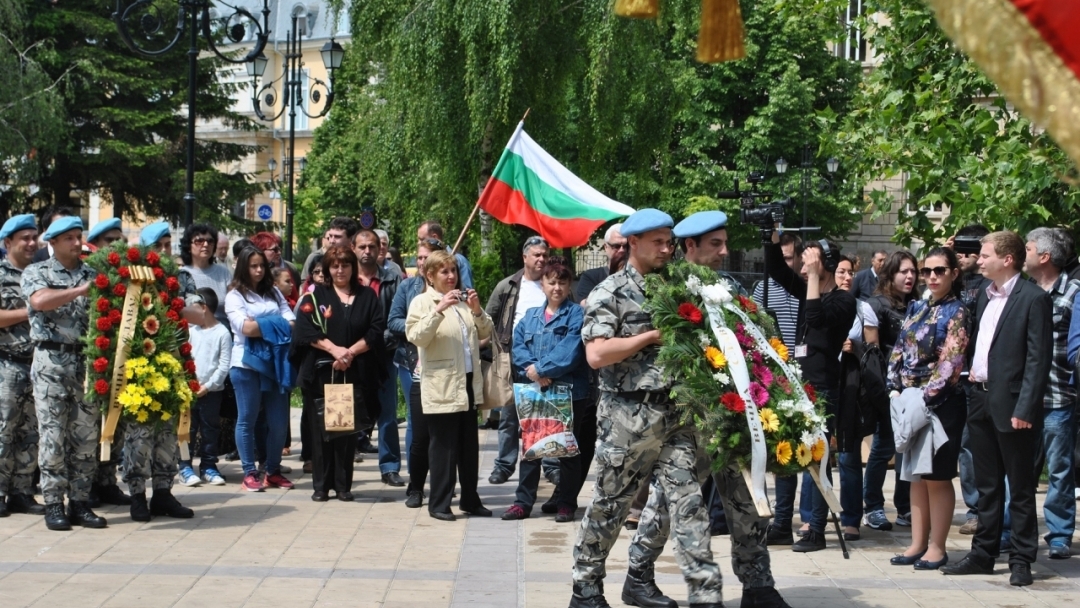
[[533, 241], [275, 249], [937, 270], [625, 245], [316, 270], [200, 241]]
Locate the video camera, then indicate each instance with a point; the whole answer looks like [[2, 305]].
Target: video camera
[[752, 208]]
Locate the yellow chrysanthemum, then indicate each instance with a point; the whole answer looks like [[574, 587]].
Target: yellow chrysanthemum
[[779, 347], [165, 416], [155, 406], [715, 357], [818, 451], [802, 455], [783, 452], [142, 416], [769, 420]]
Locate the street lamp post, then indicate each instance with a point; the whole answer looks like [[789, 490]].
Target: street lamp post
[[193, 17], [806, 174], [293, 98]]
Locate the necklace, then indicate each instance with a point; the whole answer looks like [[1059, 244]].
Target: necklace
[[347, 300]]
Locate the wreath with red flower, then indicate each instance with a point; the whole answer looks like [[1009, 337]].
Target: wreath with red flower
[[159, 370]]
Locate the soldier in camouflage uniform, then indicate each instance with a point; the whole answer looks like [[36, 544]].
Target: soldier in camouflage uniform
[[640, 435], [18, 419], [704, 239], [151, 450], [56, 291]]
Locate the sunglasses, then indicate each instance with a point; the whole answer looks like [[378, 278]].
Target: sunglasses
[[434, 243], [937, 270], [200, 241], [274, 249], [620, 246]]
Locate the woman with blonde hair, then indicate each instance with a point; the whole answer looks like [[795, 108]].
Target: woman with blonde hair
[[446, 325]]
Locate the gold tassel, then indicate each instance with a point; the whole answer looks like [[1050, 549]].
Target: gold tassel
[[637, 9], [721, 34]]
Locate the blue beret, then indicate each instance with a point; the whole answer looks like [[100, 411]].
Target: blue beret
[[17, 223], [101, 228], [62, 225], [645, 220], [153, 233], [702, 222]]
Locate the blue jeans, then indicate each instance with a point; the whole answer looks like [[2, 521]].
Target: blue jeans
[[405, 378], [250, 401], [389, 446], [509, 436], [784, 509], [851, 490], [882, 450]]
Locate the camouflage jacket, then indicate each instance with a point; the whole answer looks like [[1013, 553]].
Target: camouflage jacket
[[14, 339], [613, 310], [68, 323]]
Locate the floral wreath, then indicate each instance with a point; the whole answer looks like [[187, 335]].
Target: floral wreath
[[135, 316], [700, 321]]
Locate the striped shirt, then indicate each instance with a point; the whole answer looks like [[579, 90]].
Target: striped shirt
[[1059, 392], [786, 307]]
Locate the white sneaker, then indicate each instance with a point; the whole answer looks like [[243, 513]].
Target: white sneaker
[[1076, 493], [189, 478], [213, 478]]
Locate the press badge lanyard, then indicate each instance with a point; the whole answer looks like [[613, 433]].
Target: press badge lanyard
[[801, 348]]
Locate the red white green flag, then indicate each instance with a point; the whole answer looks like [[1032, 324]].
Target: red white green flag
[[529, 187]]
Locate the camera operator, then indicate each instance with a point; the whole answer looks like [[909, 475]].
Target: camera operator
[[826, 314]]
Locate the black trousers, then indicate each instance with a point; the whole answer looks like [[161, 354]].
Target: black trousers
[[995, 457], [331, 461], [572, 471], [206, 423], [418, 450], [454, 446]]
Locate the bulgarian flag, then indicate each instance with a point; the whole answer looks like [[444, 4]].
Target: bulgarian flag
[[529, 187]]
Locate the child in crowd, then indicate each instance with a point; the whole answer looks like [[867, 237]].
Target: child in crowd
[[283, 281], [211, 347]]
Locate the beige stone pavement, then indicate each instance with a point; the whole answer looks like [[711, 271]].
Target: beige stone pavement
[[278, 548]]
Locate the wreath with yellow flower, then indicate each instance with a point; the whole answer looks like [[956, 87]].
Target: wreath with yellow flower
[[791, 416], [158, 380]]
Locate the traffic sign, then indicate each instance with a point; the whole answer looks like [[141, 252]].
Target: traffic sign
[[265, 213]]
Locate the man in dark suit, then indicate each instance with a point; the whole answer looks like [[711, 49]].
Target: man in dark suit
[[1009, 371], [866, 279]]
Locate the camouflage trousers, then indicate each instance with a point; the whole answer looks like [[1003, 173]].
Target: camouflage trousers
[[150, 452], [637, 441], [749, 555], [69, 429], [18, 429], [106, 469]]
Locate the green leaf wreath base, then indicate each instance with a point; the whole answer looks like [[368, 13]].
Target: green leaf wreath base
[[163, 387], [708, 394]]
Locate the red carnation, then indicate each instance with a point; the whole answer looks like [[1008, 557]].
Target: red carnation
[[172, 284], [810, 392], [172, 315], [194, 385], [164, 297], [152, 258], [748, 304], [124, 272], [159, 273], [178, 304], [102, 343], [690, 312], [102, 304], [182, 324], [115, 315], [185, 349], [102, 281], [114, 258], [104, 324], [120, 290], [101, 364], [189, 366], [133, 255], [733, 402], [101, 387]]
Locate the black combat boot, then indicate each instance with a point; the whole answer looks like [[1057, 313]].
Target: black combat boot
[[55, 519], [596, 601], [24, 503], [640, 590], [140, 511], [164, 503], [762, 597], [80, 513], [113, 495], [4, 512]]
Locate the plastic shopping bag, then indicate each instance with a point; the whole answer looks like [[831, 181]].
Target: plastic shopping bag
[[546, 416]]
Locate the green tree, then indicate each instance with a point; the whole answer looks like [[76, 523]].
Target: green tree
[[125, 134], [430, 92], [928, 113]]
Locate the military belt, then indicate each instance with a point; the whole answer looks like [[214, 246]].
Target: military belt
[[58, 346], [661, 397], [28, 359]]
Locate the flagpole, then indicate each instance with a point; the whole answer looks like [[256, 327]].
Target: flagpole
[[476, 207]]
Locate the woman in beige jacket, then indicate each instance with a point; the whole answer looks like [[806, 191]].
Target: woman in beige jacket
[[446, 324]]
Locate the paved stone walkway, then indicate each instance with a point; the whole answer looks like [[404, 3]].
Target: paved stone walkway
[[278, 548]]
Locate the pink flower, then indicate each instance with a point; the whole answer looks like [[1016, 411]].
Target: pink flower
[[763, 375], [758, 359], [758, 394]]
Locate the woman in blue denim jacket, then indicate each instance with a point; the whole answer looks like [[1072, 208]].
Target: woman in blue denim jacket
[[548, 348]]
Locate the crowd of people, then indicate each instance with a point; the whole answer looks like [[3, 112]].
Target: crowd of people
[[954, 363]]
